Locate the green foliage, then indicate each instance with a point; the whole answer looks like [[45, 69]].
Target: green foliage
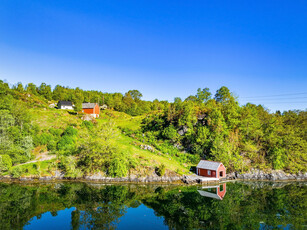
[[69, 166], [43, 139], [203, 95], [89, 125], [170, 133], [16, 172], [52, 145], [15, 136], [240, 137], [67, 144], [70, 131], [5, 163], [160, 170], [118, 167], [98, 147]]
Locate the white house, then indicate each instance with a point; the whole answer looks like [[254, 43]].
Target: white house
[[65, 105]]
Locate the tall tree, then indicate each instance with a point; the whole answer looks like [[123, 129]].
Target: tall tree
[[203, 95]]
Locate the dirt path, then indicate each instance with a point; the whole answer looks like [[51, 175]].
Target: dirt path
[[41, 157]]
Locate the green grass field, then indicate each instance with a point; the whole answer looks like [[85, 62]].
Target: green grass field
[[125, 143], [60, 119]]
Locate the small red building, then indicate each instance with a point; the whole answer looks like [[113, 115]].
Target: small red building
[[91, 108], [211, 169]]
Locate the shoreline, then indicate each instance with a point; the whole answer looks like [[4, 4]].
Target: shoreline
[[184, 180]]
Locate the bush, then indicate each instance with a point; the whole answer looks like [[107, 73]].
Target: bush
[[70, 131], [89, 125], [118, 168], [66, 144], [19, 155], [160, 170], [69, 165], [51, 146], [16, 172], [56, 132], [5, 163], [43, 139], [170, 133]]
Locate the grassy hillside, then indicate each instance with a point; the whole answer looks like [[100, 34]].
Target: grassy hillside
[[46, 119], [140, 137]]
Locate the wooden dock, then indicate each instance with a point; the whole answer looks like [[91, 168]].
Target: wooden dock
[[202, 180]]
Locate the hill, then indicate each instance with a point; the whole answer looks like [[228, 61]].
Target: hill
[[141, 138]]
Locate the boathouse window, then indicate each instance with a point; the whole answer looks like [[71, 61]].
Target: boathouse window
[[209, 172]]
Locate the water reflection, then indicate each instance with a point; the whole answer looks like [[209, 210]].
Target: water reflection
[[98, 206], [216, 192]]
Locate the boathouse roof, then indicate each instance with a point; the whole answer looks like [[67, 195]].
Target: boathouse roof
[[212, 165]]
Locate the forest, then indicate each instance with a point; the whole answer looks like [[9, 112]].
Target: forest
[[179, 133]]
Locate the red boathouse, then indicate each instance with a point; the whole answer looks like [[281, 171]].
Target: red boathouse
[[211, 169]]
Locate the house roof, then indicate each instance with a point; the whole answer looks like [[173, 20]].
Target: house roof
[[68, 103], [88, 105], [212, 165]]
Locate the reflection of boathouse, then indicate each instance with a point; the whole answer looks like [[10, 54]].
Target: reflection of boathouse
[[216, 192]]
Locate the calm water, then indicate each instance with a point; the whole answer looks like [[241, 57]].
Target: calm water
[[100, 206]]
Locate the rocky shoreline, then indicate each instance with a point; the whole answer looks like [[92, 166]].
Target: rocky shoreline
[[154, 178], [253, 175], [273, 175]]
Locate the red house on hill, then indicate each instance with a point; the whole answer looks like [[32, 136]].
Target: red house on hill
[[211, 169], [91, 108]]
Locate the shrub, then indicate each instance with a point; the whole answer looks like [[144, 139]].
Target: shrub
[[56, 132], [160, 170], [133, 163], [51, 146], [70, 131], [69, 165], [66, 144], [170, 133], [19, 155], [37, 167], [89, 125], [5, 163], [16, 172], [118, 168]]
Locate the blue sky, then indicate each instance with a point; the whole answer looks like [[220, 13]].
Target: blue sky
[[165, 49]]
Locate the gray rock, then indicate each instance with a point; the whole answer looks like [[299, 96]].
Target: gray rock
[[58, 174], [231, 176], [148, 147], [183, 130], [45, 178], [274, 175], [26, 179]]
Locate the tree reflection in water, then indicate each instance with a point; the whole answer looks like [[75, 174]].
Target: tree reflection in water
[[98, 206]]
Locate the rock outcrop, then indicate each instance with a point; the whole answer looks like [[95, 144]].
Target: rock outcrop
[[136, 179], [274, 175]]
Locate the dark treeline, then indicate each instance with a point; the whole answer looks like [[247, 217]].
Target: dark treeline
[[130, 102]]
